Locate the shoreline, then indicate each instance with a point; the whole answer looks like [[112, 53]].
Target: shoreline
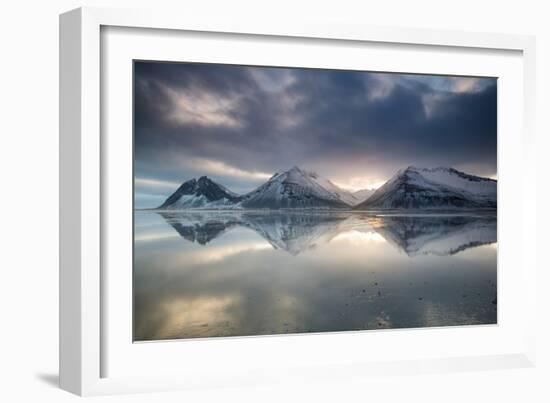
[[408, 212]]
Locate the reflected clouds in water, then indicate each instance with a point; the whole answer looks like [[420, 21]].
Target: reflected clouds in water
[[253, 273]]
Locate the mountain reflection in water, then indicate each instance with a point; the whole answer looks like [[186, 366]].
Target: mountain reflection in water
[[295, 232], [217, 273]]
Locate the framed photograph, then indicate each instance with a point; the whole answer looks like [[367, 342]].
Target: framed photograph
[[312, 200], [248, 202]]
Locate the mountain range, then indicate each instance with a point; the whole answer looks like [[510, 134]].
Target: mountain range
[[410, 188]]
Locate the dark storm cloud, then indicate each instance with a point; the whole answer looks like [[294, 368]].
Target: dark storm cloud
[[236, 132], [240, 123], [411, 119]]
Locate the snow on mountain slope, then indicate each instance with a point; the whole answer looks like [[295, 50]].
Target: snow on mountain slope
[[363, 194], [478, 186], [411, 188], [344, 195], [294, 188], [415, 188], [201, 193]]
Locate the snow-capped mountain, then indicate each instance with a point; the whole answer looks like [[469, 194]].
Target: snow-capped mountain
[[296, 188], [363, 194], [414, 188], [411, 188], [201, 193]]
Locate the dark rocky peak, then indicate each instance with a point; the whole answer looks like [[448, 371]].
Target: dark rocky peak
[[186, 188], [213, 191]]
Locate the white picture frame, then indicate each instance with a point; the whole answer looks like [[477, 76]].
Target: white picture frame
[[83, 180]]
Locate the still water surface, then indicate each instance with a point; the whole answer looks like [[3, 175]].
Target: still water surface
[[207, 274]]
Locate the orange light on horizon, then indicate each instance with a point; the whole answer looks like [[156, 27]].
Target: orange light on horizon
[[355, 184]]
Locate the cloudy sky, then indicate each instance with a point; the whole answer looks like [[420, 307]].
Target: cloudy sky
[[239, 125]]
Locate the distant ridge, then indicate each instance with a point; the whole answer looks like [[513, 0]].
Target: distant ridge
[[363, 194], [296, 188]]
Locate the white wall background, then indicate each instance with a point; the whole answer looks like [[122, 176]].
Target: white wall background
[[29, 201]]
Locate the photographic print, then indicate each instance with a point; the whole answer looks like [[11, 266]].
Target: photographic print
[[271, 200]]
